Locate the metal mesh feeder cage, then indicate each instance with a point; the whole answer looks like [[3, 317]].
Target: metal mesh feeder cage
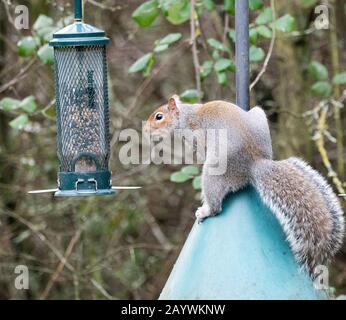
[[82, 109]]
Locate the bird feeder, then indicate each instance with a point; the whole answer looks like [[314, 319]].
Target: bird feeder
[[82, 108]]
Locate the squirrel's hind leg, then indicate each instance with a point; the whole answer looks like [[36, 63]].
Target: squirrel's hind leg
[[214, 189]]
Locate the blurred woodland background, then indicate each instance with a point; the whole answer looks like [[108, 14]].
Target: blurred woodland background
[[124, 246]]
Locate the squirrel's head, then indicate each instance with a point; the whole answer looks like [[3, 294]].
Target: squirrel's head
[[164, 119]]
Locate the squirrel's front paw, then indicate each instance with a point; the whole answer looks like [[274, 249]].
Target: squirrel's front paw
[[202, 213]]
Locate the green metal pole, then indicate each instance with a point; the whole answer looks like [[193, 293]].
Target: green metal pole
[[78, 10]]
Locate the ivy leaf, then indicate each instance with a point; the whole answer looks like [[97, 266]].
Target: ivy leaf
[[264, 31], [285, 23], [217, 45], [28, 104], [253, 35], [42, 21], [190, 96], [222, 78], [266, 16], [146, 13], [45, 54], [180, 177], [255, 4], [27, 46], [206, 68], [256, 54], [197, 183], [190, 170], [19, 122], [230, 6], [176, 11], [224, 64], [9, 104], [318, 71], [209, 5], [141, 63], [340, 78], [321, 89]]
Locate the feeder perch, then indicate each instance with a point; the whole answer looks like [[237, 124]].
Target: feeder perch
[[81, 90]]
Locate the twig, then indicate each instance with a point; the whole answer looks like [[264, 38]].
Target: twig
[[20, 76], [102, 290], [40, 236], [270, 50], [61, 265], [321, 127], [105, 7], [225, 29], [193, 37]]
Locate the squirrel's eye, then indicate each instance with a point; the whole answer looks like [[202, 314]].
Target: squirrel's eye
[[159, 116]]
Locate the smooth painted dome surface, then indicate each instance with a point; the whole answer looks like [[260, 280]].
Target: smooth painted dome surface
[[240, 254]]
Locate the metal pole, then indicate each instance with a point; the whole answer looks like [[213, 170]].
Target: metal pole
[[242, 53], [78, 10]]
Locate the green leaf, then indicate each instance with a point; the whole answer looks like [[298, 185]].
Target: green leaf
[[256, 54], [9, 104], [318, 71], [217, 45], [285, 23], [197, 183], [321, 89], [146, 13], [230, 6], [160, 48], [46, 33], [19, 122], [253, 35], [170, 38], [45, 54], [340, 78], [206, 68], [264, 31], [149, 66], [255, 4], [266, 16], [141, 63], [190, 96], [231, 35], [28, 104], [222, 78], [223, 65], [176, 11], [190, 170], [180, 177], [27, 46], [209, 5], [42, 22]]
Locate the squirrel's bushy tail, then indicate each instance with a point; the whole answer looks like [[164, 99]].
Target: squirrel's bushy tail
[[305, 206]]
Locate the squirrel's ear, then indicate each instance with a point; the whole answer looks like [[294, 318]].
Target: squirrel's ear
[[173, 103]]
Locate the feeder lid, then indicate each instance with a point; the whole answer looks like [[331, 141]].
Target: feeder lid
[[79, 34]]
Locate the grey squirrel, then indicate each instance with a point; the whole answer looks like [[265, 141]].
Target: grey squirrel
[[301, 199]]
